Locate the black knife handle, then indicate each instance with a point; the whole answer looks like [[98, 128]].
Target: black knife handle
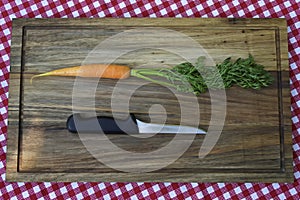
[[108, 125]]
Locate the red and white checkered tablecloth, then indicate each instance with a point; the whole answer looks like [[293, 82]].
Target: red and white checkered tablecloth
[[159, 8]]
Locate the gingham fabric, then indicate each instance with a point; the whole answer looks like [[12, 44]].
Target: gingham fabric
[[159, 8]]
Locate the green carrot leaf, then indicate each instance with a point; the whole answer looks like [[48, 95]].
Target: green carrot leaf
[[198, 78]]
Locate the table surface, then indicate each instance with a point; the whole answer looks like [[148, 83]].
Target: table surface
[[264, 9]]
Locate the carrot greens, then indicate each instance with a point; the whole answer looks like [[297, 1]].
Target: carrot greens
[[197, 78]]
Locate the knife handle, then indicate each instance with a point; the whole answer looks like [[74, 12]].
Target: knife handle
[[109, 125]]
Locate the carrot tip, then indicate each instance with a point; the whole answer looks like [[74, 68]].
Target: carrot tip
[[39, 75]]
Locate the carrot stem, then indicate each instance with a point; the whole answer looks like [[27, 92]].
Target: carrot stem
[[137, 73]]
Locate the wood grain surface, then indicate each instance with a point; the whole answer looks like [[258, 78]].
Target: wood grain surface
[[255, 144]]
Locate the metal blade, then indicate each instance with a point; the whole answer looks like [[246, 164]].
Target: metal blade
[[162, 128]]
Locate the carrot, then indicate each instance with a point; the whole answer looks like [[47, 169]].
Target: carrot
[[92, 70], [184, 77]]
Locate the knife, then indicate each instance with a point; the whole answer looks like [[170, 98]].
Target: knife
[[109, 125]]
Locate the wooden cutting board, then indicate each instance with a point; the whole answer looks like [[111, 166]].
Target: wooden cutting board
[[255, 143]]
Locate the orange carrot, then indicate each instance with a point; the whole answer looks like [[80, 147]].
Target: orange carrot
[[92, 70]]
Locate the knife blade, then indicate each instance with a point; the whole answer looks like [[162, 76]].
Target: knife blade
[[109, 125]]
